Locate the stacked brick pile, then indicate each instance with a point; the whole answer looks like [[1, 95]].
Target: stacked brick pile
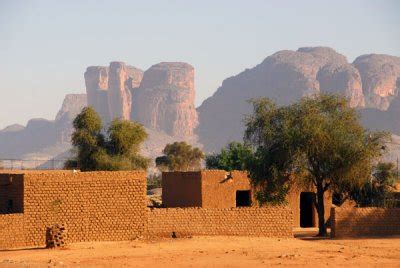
[[266, 221], [359, 222], [56, 236]]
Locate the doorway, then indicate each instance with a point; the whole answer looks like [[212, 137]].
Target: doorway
[[307, 217], [243, 198]]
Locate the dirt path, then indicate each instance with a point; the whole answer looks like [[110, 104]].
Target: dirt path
[[214, 252]]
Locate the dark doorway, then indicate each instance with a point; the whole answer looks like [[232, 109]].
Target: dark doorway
[[307, 209], [243, 198]]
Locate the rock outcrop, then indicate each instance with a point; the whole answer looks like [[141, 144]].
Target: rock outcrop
[[119, 89], [96, 80], [165, 99], [42, 138], [389, 120], [284, 77], [379, 74], [109, 89], [71, 106], [343, 79]]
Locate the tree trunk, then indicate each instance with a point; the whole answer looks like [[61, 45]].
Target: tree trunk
[[321, 210]]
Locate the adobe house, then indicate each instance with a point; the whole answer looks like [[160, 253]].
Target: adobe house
[[221, 189], [93, 205]]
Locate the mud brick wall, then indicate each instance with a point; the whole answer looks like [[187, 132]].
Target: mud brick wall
[[219, 191], [360, 222], [94, 206], [267, 221], [181, 189], [12, 231]]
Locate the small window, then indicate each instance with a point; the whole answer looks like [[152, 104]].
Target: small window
[[243, 198]]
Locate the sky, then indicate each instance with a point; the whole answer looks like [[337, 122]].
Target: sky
[[45, 46]]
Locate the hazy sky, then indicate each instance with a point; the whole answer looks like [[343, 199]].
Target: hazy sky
[[45, 46]]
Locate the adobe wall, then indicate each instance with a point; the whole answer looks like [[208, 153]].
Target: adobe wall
[[220, 192], [267, 221], [93, 205], [360, 222], [12, 231], [181, 189]]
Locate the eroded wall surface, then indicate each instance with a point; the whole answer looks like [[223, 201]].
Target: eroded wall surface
[[181, 189], [93, 205], [359, 222], [267, 221], [219, 189]]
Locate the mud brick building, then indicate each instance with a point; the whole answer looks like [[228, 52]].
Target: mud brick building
[[106, 206], [221, 189], [93, 205]]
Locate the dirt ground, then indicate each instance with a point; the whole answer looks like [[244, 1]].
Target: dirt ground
[[220, 251]]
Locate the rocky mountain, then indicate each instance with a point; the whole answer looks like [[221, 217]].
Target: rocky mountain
[[380, 74], [162, 99], [41, 138], [165, 99], [109, 89], [285, 77]]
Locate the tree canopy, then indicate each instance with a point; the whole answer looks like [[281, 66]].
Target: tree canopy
[[118, 150], [180, 156], [234, 157], [317, 141], [377, 191]]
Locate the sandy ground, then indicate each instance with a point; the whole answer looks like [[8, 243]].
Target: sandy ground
[[220, 251]]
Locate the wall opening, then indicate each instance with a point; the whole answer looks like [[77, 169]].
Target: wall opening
[[307, 217], [243, 198], [11, 193]]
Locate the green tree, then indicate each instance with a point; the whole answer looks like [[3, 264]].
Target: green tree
[[180, 156], [88, 141], [317, 141], [234, 157], [377, 190], [119, 150], [123, 145]]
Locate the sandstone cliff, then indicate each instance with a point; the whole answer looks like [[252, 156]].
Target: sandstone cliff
[[379, 74], [165, 99], [109, 89], [162, 99], [96, 81], [284, 77], [119, 89]]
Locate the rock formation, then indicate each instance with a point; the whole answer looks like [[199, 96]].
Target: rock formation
[[165, 99], [379, 74], [119, 89], [162, 99], [71, 106], [284, 77], [42, 138], [96, 80], [109, 89], [342, 79]]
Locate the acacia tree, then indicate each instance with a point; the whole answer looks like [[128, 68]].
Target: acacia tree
[[180, 156], [377, 191], [318, 141], [234, 157], [118, 150]]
